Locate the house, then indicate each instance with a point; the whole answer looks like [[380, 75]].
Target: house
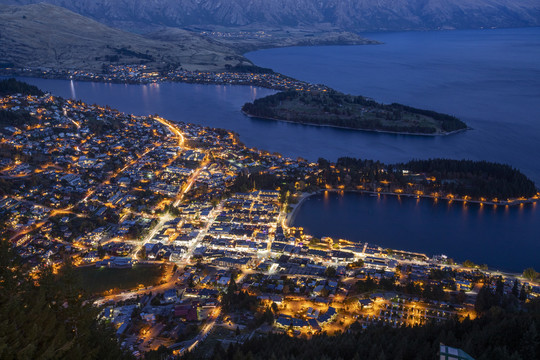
[[285, 321], [464, 285], [170, 296], [314, 325], [224, 281], [365, 303], [186, 312], [148, 317], [327, 316]]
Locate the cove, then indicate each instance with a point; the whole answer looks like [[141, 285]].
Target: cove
[[505, 238]]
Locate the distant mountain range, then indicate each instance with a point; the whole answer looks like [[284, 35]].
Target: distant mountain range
[[212, 35], [349, 15]]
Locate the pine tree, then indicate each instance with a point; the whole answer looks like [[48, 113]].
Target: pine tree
[[529, 343], [515, 289], [49, 320]]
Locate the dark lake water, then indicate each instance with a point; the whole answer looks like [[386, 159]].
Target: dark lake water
[[507, 238], [489, 78]]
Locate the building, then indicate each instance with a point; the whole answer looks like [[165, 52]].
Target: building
[[450, 353], [186, 312]]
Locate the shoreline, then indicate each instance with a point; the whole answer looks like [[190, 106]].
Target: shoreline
[[358, 129], [292, 214], [304, 196], [99, 78], [260, 84]]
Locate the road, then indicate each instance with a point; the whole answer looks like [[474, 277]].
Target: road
[[207, 328], [173, 128]]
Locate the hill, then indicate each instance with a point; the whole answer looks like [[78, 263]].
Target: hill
[[43, 35], [350, 15], [12, 86], [243, 40], [332, 108], [49, 318]]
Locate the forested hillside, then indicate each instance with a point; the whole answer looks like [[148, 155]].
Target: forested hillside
[[332, 108], [48, 318], [498, 335]]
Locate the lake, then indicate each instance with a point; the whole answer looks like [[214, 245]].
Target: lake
[[506, 238], [489, 78]]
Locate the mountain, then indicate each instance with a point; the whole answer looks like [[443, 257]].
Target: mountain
[[242, 41], [44, 35], [350, 15]]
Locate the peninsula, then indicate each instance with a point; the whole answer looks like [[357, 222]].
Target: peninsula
[[332, 108]]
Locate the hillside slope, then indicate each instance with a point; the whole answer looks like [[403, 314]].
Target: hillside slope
[[350, 15], [43, 35]]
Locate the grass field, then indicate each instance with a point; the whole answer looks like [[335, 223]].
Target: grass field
[[97, 280]]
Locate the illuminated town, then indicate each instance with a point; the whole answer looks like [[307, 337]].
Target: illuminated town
[[183, 235], [142, 74]]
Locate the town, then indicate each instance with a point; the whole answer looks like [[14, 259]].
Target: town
[[183, 235], [142, 74]]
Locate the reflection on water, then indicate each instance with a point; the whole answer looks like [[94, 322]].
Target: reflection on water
[[72, 88], [501, 236]]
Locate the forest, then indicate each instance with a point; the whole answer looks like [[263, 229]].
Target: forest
[[12, 86], [499, 334], [333, 108], [475, 179], [49, 318], [16, 118]]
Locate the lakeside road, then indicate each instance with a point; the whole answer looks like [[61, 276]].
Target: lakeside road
[[514, 202], [362, 217]]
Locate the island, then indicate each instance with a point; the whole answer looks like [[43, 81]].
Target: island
[[332, 108]]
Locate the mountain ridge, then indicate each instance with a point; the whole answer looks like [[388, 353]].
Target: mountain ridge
[[348, 15]]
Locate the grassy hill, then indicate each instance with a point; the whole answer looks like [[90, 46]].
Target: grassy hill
[[43, 35]]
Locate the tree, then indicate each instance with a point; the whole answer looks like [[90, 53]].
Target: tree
[[330, 272], [162, 352], [142, 253], [530, 274], [101, 251], [356, 265], [529, 343], [52, 319], [523, 293], [232, 287], [484, 300], [268, 316], [515, 289]]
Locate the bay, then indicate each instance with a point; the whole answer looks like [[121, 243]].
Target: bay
[[505, 238]]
